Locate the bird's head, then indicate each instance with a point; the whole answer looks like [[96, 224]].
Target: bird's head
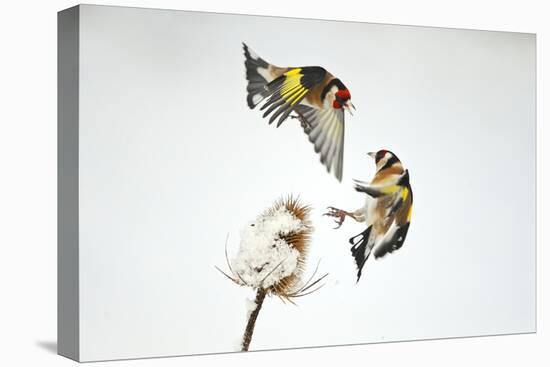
[[342, 99], [385, 159]]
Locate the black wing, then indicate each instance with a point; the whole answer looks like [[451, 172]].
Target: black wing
[[256, 81], [400, 212], [288, 90]]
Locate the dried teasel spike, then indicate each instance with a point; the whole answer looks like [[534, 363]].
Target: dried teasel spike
[[311, 277], [228, 277], [271, 257]]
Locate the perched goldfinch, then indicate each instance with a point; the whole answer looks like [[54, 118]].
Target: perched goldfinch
[[316, 97], [387, 211]]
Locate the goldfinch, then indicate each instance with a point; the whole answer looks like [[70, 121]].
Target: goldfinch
[[317, 98], [387, 211]]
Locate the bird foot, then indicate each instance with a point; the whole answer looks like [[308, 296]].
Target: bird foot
[[339, 215], [303, 122]]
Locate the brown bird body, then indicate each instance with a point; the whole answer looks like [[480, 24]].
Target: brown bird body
[[313, 97], [387, 211]]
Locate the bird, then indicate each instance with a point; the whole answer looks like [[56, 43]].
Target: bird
[[316, 97], [387, 211]]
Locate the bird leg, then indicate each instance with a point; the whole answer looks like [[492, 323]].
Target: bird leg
[[303, 121], [339, 215]]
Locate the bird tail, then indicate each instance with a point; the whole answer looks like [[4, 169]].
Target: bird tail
[[361, 248], [256, 87]]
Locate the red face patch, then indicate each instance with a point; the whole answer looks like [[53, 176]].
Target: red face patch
[[344, 94], [336, 104]]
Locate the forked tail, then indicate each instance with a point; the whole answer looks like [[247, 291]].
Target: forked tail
[[361, 248]]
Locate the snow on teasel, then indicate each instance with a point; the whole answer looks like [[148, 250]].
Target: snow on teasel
[[271, 258], [264, 256], [273, 249]]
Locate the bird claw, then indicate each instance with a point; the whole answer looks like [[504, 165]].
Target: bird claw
[[338, 214], [303, 122]]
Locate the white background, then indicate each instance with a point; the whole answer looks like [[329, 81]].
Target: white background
[[172, 159], [28, 225]]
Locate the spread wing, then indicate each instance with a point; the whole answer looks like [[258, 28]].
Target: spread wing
[[325, 129], [377, 191], [257, 75], [284, 93]]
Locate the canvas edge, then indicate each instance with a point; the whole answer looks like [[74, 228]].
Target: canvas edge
[[68, 180], [68, 329]]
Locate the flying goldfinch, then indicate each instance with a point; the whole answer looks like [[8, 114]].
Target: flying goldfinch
[[317, 98], [387, 211]]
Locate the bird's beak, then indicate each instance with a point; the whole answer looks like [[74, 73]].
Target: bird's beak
[[372, 155]]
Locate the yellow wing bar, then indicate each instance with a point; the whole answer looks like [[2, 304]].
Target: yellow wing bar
[[390, 189], [404, 193], [293, 90]]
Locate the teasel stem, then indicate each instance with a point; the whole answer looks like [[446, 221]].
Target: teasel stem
[[247, 337]]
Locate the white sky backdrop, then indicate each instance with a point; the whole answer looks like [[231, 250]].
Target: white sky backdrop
[[172, 159]]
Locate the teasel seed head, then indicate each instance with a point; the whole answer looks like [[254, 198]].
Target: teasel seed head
[[273, 251]]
